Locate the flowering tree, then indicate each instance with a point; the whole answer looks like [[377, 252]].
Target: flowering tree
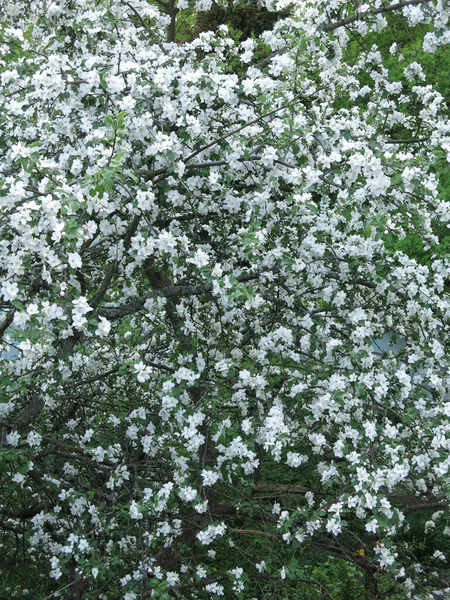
[[198, 251]]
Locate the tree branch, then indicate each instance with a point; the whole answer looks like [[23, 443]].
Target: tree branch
[[418, 140], [144, 24], [239, 129], [111, 270], [280, 489], [7, 322], [376, 11], [170, 291], [255, 532]]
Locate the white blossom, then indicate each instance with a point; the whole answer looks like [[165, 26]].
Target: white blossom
[[135, 513], [74, 260]]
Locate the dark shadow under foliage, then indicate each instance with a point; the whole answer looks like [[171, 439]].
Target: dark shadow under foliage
[[249, 20]]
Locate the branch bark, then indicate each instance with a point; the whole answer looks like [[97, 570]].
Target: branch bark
[[7, 322], [376, 11], [171, 291], [280, 489]]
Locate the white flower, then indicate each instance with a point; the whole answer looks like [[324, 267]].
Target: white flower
[[184, 374], [76, 167], [201, 572], [334, 526], [143, 372], [9, 290], [247, 426], [294, 459], [13, 438], [415, 14], [127, 103], [208, 535], [237, 572], [200, 259], [74, 260], [430, 42], [172, 578], [429, 526], [116, 84], [55, 572], [210, 477], [372, 526], [202, 507], [132, 432], [135, 513], [103, 327], [34, 439], [378, 184], [261, 567], [81, 306], [187, 493], [32, 309], [370, 429], [217, 270], [167, 242], [215, 588]]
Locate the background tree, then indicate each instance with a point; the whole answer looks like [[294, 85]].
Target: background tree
[[200, 243]]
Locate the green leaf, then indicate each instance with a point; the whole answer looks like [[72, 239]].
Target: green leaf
[[18, 304]]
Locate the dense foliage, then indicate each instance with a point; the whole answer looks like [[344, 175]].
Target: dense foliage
[[203, 237]]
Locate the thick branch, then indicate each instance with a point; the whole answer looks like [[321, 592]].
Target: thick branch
[[112, 268], [171, 291], [73, 449], [418, 140], [255, 532], [7, 322], [208, 164], [376, 11], [280, 490]]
